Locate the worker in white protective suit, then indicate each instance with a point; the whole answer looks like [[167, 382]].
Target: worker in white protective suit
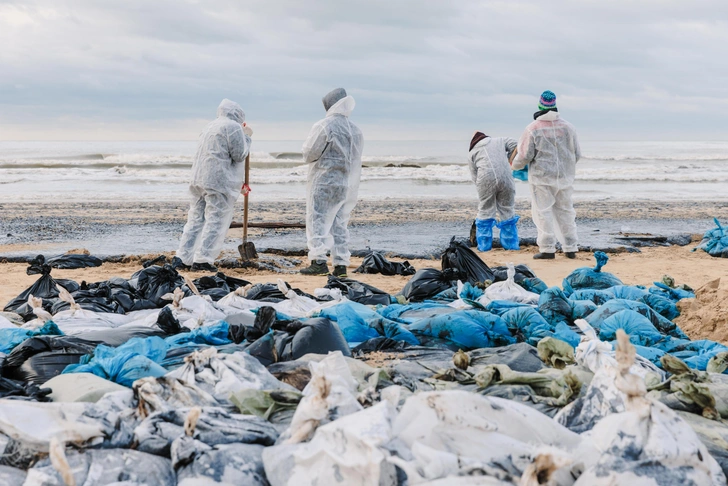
[[550, 148], [218, 173], [333, 150], [492, 175]]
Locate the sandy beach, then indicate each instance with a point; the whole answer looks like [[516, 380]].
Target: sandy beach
[[693, 268]]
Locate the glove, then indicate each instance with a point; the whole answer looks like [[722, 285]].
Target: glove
[[247, 130]]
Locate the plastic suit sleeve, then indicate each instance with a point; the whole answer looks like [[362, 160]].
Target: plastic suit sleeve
[[577, 148], [315, 144], [238, 144], [526, 151]]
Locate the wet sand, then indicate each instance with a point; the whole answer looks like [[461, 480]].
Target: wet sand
[[412, 228]]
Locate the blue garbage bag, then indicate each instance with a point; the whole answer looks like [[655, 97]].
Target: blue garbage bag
[[715, 241], [9, 338], [580, 309], [652, 354], [407, 314], [359, 323], [671, 345], [448, 295], [702, 352], [599, 297], [554, 306], [664, 326], [470, 294], [533, 284], [215, 335], [135, 359], [668, 292], [627, 292], [500, 307], [663, 306], [527, 324], [639, 328], [591, 278], [468, 329], [564, 332]]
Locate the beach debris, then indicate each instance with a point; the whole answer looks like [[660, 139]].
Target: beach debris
[[376, 262], [715, 241], [215, 379]]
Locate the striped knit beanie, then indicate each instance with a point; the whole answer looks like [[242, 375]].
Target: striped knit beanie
[[547, 100]]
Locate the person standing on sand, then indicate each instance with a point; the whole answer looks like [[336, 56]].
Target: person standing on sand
[[493, 179], [218, 171], [333, 150], [551, 150]]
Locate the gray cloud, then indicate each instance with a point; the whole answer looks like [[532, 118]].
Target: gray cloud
[[418, 68]]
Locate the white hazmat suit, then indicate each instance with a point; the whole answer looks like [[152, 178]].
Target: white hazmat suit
[[493, 177], [550, 148], [218, 173], [333, 150]]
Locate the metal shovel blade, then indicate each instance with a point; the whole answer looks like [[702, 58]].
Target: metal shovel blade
[[247, 251]]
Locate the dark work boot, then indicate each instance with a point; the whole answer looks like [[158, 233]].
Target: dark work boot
[[317, 267], [570, 254], [178, 264], [340, 271], [204, 267], [544, 256]]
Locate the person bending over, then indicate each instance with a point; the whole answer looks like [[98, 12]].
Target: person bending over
[[493, 179]]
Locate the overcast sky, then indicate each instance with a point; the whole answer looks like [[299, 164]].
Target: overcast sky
[[419, 69]]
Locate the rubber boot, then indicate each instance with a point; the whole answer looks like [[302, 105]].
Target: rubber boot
[[509, 233], [484, 233]]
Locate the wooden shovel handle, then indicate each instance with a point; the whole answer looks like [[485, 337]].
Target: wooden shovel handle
[[245, 199]]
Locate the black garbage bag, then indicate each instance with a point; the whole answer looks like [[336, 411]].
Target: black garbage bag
[[71, 261], [318, 335], [523, 272], [428, 282], [154, 282], [375, 262], [359, 291], [293, 339], [40, 358], [379, 344], [44, 288], [168, 323], [91, 301], [269, 292], [265, 317], [118, 292], [461, 258], [19, 390]]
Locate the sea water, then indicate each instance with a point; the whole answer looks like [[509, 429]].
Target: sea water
[[160, 171]]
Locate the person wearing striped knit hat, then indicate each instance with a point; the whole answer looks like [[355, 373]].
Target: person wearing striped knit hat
[[550, 148]]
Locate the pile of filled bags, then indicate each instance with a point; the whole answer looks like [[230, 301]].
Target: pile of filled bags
[[469, 375]]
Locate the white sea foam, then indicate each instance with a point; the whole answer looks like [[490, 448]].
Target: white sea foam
[[160, 170]]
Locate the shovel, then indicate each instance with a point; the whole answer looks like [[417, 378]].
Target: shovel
[[247, 249]]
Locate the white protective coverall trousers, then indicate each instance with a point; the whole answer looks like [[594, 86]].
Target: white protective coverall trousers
[[333, 149], [550, 148], [492, 175], [218, 172]]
